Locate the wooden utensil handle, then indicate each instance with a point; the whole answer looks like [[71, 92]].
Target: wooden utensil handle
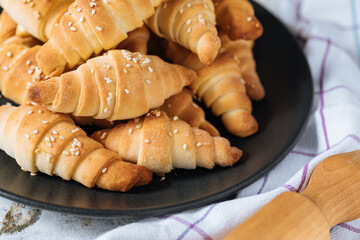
[[289, 216]]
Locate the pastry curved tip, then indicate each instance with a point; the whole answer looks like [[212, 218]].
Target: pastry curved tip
[[207, 126], [236, 153], [208, 47], [146, 177], [43, 92], [240, 123]]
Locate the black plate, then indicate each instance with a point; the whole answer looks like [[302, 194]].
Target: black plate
[[281, 116]]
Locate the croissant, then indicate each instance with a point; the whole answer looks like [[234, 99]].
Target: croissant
[[161, 144], [136, 41], [190, 23], [38, 17], [242, 50], [90, 27], [40, 140], [237, 19], [7, 27], [221, 87], [183, 107], [119, 85]]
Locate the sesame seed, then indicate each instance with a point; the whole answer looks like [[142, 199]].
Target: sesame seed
[[52, 139], [47, 139], [138, 126], [92, 71], [147, 141], [9, 54], [127, 91], [184, 146], [27, 136], [150, 69], [136, 120], [78, 9], [46, 77], [103, 135], [176, 118], [108, 80], [33, 174], [105, 1], [35, 131], [31, 4], [54, 132], [45, 122], [148, 81], [106, 110], [5, 68], [30, 71], [61, 137], [8, 104], [28, 62], [158, 114], [40, 111], [69, 24], [73, 29], [82, 19], [249, 19], [37, 150], [93, 12], [130, 130], [128, 65], [176, 131], [75, 4], [188, 21], [99, 29], [181, 10], [104, 170], [125, 71], [92, 4], [29, 112], [170, 134], [198, 144], [66, 153], [189, 30], [75, 130]]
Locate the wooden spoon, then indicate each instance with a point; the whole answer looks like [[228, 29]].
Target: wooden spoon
[[331, 197]]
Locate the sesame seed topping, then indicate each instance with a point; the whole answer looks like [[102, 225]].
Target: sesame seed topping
[[125, 71], [75, 130], [29, 112], [40, 111], [106, 110], [130, 130], [188, 21], [176, 118], [47, 139], [99, 29], [147, 141], [81, 19], [158, 114], [127, 91], [147, 81], [27, 136], [61, 137], [184, 146], [93, 12], [138, 126], [92, 4], [78, 9], [33, 174], [249, 19], [69, 24], [73, 28], [189, 30], [128, 65], [54, 132], [170, 134], [30, 71], [150, 69], [9, 54], [45, 122], [136, 120], [181, 10], [176, 131], [52, 139], [92, 71], [28, 62], [35, 131], [66, 153], [103, 135], [104, 170], [198, 144], [5, 68]]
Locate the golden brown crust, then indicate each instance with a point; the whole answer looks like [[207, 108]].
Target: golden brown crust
[[242, 51], [222, 89], [119, 85], [161, 144], [37, 17], [183, 107], [88, 28], [51, 143], [237, 19], [136, 41], [191, 24], [7, 27]]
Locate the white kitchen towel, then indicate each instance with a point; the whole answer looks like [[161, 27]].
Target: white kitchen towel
[[330, 33]]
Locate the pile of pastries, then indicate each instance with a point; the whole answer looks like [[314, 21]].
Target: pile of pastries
[[69, 63]]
